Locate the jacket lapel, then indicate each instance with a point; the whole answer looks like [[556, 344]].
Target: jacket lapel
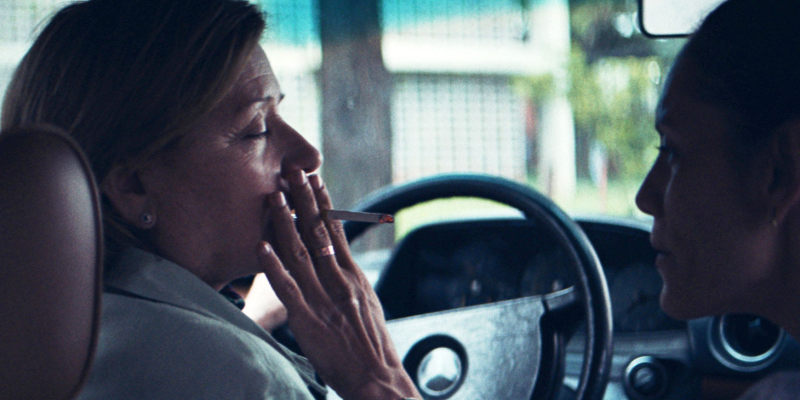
[[142, 274]]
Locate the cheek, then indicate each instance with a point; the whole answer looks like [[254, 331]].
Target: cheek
[[717, 254], [222, 188], [245, 169], [704, 208], [245, 185]]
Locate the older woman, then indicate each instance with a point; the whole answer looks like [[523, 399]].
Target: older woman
[[176, 106], [725, 189]]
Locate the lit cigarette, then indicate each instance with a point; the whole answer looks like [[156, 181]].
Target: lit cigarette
[[375, 218]]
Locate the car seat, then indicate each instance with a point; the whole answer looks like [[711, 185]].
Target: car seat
[[50, 264]]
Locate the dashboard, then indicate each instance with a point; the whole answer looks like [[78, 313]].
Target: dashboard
[[451, 265]]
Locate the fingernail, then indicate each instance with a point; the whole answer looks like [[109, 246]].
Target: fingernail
[[316, 181], [298, 178], [277, 199], [265, 248]]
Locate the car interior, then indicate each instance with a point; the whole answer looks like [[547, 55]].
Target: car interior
[[51, 244], [517, 292]]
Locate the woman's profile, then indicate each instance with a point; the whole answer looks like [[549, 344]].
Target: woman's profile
[[176, 106], [725, 189]]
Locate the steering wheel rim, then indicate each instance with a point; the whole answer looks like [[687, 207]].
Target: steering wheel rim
[[534, 206]]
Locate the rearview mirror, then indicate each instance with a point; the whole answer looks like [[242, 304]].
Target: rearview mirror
[[673, 18]]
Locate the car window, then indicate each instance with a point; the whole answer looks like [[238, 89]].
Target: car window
[[555, 94]]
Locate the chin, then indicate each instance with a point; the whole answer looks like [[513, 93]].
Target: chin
[[683, 307]]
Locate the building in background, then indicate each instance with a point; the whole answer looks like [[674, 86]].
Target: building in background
[[18, 22], [454, 106]]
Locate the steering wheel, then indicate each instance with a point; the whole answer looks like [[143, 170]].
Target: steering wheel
[[476, 338]]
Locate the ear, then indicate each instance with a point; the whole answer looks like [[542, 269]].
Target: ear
[[785, 154], [123, 188]]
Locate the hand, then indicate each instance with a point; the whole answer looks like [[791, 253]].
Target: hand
[[333, 312], [263, 306]]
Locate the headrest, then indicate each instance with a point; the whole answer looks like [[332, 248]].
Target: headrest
[[50, 264]]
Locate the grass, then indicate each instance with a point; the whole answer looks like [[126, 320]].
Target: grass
[[617, 200]]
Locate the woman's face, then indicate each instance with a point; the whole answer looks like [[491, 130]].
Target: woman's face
[[209, 195], [711, 226]]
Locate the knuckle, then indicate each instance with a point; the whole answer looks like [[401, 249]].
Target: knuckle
[[291, 289], [300, 254], [337, 319], [346, 300], [319, 231], [337, 228], [354, 304]]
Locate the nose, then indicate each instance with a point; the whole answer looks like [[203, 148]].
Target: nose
[[300, 154], [650, 198]]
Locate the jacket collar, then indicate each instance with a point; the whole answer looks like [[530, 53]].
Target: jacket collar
[[146, 275]]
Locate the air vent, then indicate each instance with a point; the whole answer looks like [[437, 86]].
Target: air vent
[[745, 342]]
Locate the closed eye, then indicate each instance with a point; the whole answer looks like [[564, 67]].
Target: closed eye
[[259, 135]]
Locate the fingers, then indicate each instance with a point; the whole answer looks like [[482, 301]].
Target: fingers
[[335, 227], [333, 311], [263, 305], [315, 273], [285, 287], [345, 261], [315, 233], [292, 254], [309, 222]]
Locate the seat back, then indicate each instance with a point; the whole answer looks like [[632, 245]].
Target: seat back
[[50, 265]]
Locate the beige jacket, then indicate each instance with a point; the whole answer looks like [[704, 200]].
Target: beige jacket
[[165, 334]]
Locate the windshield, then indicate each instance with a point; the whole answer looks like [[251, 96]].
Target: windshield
[[555, 94]]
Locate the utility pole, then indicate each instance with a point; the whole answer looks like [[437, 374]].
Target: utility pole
[[356, 101]]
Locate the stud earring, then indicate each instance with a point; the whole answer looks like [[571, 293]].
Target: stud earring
[[147, 219]]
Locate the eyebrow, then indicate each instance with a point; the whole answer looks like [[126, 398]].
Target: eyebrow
[[266, 99], [249, 103]]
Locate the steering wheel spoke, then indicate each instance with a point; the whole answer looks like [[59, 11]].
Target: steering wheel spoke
[[562, 301], [474, 352], [564, 310]]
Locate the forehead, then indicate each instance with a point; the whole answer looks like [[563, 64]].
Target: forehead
[[680, 112], [252, 92], [256, 82]]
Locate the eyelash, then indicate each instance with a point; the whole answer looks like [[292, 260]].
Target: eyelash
[[257, 135], [669, 151], [268, 122]]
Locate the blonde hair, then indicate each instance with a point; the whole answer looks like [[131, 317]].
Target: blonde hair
[[127, 78]]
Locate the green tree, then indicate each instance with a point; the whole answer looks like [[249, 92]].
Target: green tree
[[615, 75], [613, 101]]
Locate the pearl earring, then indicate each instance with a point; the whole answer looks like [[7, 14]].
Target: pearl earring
[[147, 219]]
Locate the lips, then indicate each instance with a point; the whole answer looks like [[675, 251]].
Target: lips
[[662, 255], [661, 259], [662, 252]]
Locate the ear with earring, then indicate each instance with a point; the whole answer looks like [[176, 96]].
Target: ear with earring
[[148, 220]]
